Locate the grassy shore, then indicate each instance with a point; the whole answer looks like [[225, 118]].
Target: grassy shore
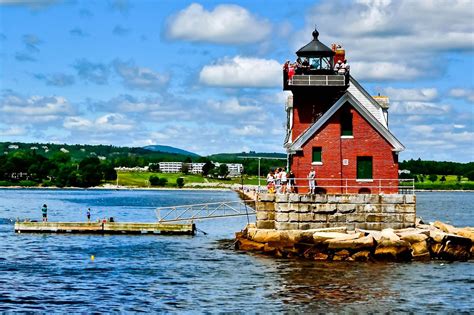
[[141, 180]]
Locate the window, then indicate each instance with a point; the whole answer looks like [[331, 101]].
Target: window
[[317, 155], [346, 123], [364, 167]]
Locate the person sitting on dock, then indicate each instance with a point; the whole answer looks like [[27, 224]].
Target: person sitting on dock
[[89, 215], [44, 210]]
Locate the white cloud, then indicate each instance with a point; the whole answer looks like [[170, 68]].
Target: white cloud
[[232, 106], [34, 108], [247, 130], [13, 131], [383, 71], [242, 72], [402, 39], [106, 123], [226, 24], [467, 94], [422, 95], [419, 108]]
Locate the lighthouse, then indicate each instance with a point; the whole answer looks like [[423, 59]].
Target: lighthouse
[[335, 128]]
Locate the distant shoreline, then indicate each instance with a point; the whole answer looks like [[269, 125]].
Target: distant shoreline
[[203, 188], [119, 188]]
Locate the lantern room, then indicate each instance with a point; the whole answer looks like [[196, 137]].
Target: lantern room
[[315, 66]]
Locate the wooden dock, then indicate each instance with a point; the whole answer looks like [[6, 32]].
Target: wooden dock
[[105, 228]]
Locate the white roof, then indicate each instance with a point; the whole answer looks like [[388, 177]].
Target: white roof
[[367, 101], [361, 109]]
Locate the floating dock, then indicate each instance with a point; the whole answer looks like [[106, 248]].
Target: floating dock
[[105, 228]]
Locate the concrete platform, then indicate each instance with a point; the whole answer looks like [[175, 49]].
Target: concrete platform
[[105, 228]]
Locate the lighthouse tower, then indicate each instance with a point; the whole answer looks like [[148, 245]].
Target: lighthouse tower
[[336, 128]]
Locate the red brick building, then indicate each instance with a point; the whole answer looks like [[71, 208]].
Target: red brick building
[[336, 128]]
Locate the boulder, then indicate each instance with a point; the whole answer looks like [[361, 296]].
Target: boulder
[[265, 236], [466, 232], [298, 236], [341, 255], [420, 250], [437, 236], [414, 237], [245, 244], [319, 237], [393, 250], [363, 255], [321, 256], [366, 242], [455, 247], [445, 227], [389, 235]]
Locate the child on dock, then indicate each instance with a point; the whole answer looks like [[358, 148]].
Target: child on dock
[[44, 210]]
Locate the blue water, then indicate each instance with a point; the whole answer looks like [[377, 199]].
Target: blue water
[[54, 273]]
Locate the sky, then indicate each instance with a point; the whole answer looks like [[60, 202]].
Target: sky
[[206, 76]]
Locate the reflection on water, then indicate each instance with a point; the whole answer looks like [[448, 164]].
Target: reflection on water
[[204, 273]]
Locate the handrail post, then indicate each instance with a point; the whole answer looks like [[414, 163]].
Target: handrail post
[[380, 186]]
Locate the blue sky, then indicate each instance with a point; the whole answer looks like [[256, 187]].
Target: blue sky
[[206, 76]]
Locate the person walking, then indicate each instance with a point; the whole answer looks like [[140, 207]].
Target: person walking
[[89, 215], [44, 210], [311, 181]]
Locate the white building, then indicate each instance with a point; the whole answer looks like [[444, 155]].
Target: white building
[[235, 169], [196, 168], [170, 167]]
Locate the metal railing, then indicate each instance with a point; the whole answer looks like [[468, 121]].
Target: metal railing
[[342, 185], [318, 80], [203, 211]]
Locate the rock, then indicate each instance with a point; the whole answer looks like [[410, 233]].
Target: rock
[[269, 249], [414, 238], [437, 236], [393, 250], [363, 255], [466, 232], [319, 237], [420, 250], [297, 236], [389, 235], [265, 236], [419, 221], [341, 255], [445, 227], [245, 244], [321, 256], [366, 242], [455, 247]]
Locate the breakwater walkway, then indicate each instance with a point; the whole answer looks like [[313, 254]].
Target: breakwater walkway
[[105, 228]]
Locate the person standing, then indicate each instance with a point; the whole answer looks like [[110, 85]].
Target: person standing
[[44, 210], [311, 181], [284, 180], [89, 215]]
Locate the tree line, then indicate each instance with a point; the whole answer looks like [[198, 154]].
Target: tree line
[[58, 170], [420, 167]]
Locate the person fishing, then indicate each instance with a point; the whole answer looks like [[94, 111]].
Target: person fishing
[[44, 210]]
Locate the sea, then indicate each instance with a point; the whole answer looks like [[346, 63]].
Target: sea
[[204, 273]]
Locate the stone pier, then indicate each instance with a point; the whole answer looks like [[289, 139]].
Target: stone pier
[[362, 211]]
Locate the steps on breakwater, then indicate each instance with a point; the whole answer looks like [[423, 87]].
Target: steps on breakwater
[[105, 228]]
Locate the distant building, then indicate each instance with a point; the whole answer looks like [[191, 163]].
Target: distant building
[[404, 172], [63, 150], [131, 169], [13, 146], [170, 167], [235, 169], [196, 168], [33, 148]]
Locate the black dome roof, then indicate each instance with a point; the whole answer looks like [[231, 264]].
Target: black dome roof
[[315, 48]]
